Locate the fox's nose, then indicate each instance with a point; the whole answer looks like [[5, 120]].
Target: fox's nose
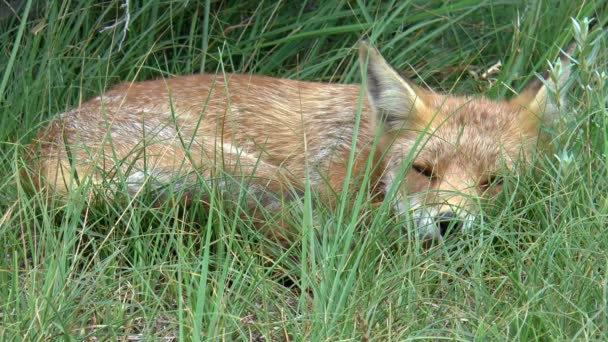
[[448, 222]]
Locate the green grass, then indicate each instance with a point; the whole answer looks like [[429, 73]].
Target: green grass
[[533, 269]]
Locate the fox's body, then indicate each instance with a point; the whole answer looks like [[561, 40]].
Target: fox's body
[[286, 133]]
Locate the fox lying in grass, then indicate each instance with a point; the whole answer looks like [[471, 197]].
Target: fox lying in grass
[[282, 133]]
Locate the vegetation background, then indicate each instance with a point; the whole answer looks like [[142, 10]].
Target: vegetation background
[[534, 268]]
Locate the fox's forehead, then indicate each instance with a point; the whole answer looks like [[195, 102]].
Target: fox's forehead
[[475, 131], [477, 113]]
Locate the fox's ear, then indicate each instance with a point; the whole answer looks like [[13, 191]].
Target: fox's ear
[[394, 100], [541, 99]]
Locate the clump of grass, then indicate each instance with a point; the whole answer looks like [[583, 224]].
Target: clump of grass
[[533, 268]]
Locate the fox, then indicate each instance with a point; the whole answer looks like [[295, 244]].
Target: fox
[[442, 153]]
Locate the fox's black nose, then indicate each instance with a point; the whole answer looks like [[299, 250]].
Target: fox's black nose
[[448, 222]]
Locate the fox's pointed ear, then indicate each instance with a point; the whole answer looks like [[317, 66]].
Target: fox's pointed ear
[[542, 98], [394, 100]]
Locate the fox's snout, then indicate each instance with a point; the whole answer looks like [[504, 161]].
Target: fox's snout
[[447, 208], [434, 223]]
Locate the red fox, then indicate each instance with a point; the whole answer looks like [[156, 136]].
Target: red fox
[[443, 152]]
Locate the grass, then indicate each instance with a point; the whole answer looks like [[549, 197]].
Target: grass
[[533, 268]]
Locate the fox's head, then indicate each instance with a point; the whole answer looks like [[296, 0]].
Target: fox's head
[[452, 151]]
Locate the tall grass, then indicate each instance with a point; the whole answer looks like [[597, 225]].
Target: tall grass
[[533, 268]]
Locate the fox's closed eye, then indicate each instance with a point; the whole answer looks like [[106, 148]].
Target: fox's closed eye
[[491, 181], [424, 170]]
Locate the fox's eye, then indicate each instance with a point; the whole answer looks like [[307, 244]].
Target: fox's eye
[[491, 181], [423, 170]]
